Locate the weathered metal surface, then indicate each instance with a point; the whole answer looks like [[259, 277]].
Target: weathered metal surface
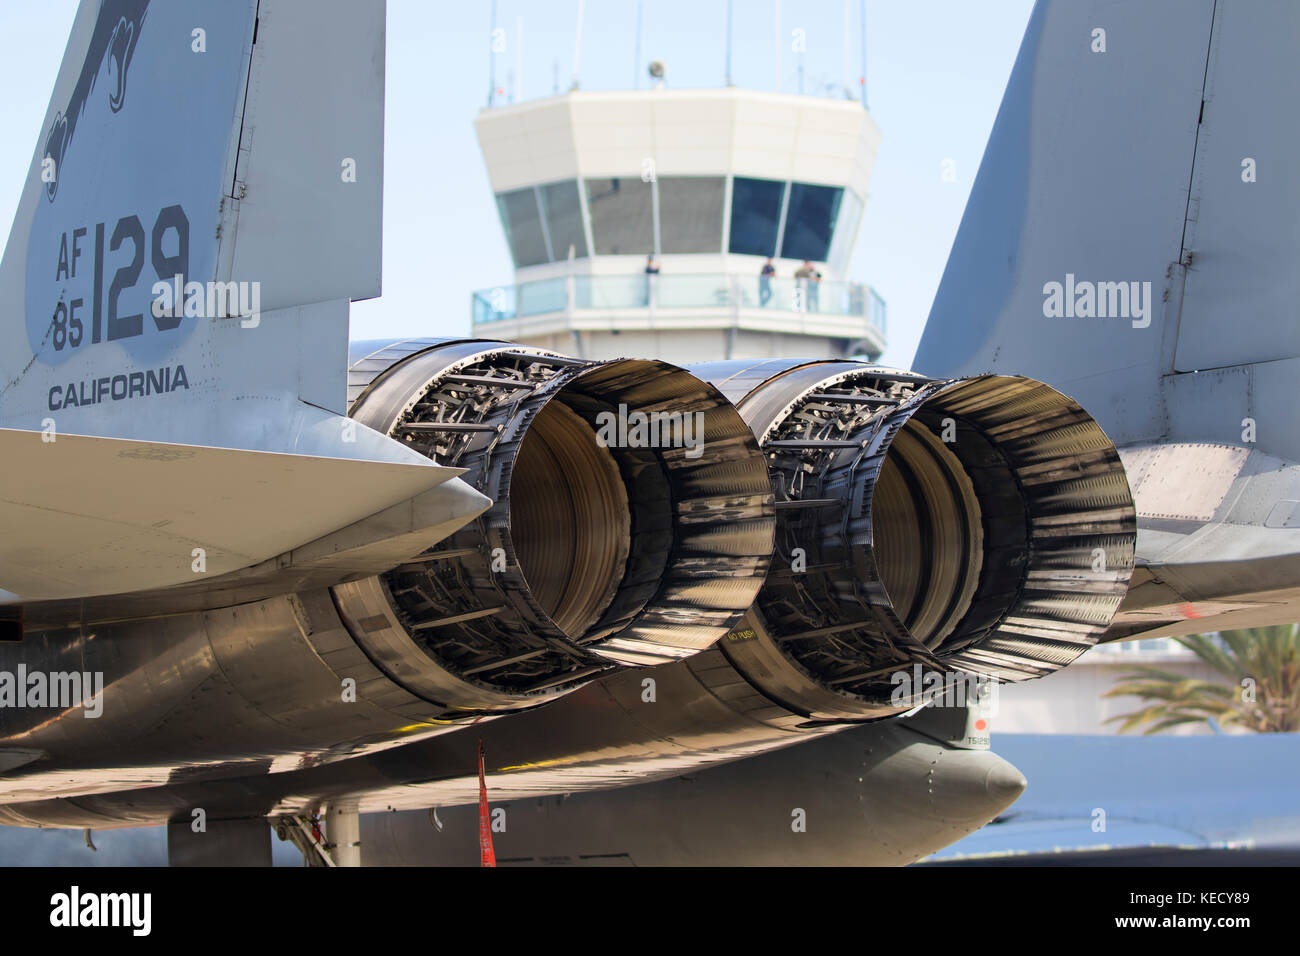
[[981, 525], [1182, 481]]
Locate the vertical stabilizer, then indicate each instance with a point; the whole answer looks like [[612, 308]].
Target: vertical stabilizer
[[1130, 237], [203, 203]]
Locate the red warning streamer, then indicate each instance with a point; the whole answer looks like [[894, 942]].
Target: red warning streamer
[[487, 855]]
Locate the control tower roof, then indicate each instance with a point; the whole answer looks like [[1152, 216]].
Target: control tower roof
[[680, 133]]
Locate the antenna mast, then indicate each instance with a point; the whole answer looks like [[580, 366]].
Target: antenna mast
[[777, 46], [517, 94], [863, 24], [492, 56], [577, 46], [636, 59], [844, 54], [729, 83]]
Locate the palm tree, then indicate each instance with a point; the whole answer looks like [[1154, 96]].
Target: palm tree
[[1262, 665]]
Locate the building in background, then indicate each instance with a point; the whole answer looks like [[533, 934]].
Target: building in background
[[1070, 701], [595, 189]]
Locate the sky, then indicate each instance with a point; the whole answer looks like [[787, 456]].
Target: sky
[[935, 74]]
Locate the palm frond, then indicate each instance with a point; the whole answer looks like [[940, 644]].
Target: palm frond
[[1268, 656]]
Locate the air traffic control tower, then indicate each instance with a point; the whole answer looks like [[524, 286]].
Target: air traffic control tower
[[709, 182]]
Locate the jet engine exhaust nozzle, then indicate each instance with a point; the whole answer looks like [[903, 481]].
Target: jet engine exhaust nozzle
[[633, 523]]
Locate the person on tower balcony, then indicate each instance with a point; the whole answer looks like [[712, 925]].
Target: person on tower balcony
[[811, 277], [651, 269], [765, 282]]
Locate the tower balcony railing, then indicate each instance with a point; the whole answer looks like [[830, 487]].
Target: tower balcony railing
[[679, 294], [1140, 651]]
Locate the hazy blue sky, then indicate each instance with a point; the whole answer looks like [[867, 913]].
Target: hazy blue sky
[[935, 75]]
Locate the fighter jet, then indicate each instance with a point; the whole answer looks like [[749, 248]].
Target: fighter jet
[[250, 583]]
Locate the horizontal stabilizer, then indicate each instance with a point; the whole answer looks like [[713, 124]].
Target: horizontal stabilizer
[[88, 516]]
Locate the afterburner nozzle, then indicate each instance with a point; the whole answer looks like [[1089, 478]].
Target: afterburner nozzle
[[632, 523]]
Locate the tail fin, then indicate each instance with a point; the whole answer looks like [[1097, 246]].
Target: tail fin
[[203, 203], [1131, 235]]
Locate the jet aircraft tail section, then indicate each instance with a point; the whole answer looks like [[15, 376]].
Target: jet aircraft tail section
[[203, 203], [1132, 249], [1130, 239]]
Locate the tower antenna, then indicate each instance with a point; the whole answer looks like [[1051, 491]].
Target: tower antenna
[[777, 45], [577, 46], [844, 53], [492, 56], [729, 43], [517, 92], [863, 25], [636, 58]]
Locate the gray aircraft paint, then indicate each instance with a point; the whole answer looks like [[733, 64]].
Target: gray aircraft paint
[[1087, 175], [1080, 176], [126, 213], [882, 794], [208, 141], [162, 149], [112, 48]]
